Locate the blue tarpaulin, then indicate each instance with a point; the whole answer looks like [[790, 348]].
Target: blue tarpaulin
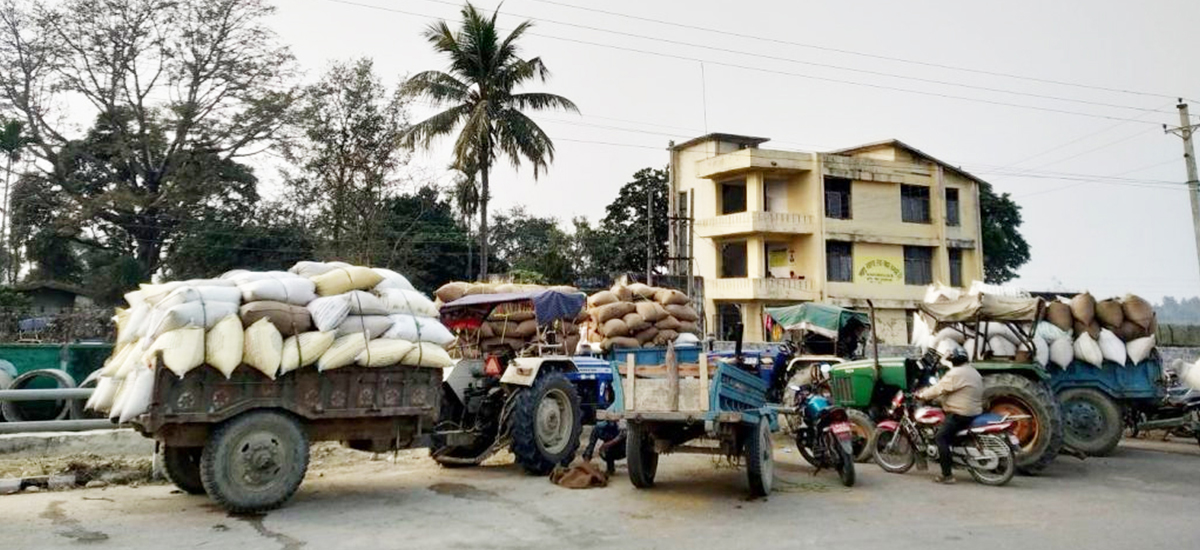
[[548, 305]]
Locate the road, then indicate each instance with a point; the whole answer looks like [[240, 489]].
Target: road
[[1136, 499]]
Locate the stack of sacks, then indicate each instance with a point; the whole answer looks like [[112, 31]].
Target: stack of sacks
[[637, 315], [512, 326], [274, 322], [1095, 332]]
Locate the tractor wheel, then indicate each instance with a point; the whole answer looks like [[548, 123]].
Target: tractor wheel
[[1093, 421], [546, 424], [863, 430], [1040, 435]]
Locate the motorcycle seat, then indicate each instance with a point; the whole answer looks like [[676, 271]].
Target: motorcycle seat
[[985, 419]]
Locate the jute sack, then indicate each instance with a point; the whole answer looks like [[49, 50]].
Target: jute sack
[[1110, 314], [565, 289], [652, 312], [665, 337], [527, 329], [288, 319], [1092, 329], [480, 288], [343, 280], [1138, 311], [1130, 331], [635, 323], [1088, 351], [1059, 314], [1083, 308], [506, 288], [303, 350], [263, 349], [642, 292], [622, 293], [688, 327], [512, 312], [683, 313], [450, 292], [342, 352], [613, 311], [667, 296], [601, 298], [614, 328], [668, 323], [620, 342], [647, 336], [384, 352]]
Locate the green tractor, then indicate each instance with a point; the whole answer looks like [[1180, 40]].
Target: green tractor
[[1012, 386]]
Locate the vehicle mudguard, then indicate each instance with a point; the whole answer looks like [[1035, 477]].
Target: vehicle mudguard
[[888, 425], [522, 371]]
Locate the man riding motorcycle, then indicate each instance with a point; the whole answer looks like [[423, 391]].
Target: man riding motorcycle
[[960, 392]]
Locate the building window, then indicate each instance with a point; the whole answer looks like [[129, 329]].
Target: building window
[[733, 259], [839, 262], [956, 262], [918, 265], [681, 204], [729, 316], [733, 197], [914, 203], [952, 218], [837, 198]]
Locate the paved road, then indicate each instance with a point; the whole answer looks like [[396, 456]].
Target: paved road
[[1136, 499]]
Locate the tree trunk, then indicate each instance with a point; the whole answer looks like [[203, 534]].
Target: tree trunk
[[483, 217], [12, 267]]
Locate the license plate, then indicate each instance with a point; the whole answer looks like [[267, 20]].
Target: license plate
[[841, 429], [1012, 438]]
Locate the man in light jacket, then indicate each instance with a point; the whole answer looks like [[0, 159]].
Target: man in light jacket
[[960, 391]]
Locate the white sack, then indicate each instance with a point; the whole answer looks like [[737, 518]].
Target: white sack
[[1041, 351], [373, 325], [365, 303], [944, 347], [937, 293], [241, 276], [154, 293], [922, 335], [1088, 351], [1049, 332], [951, 334], [313, 269], [343, 352], [138, 396], [1140, 349], [185, 294], [329, 312], [428, 355], [345, 279], [418, 329], [224, 345], [1062, 352], [994, 329], [122, 393], [384, 352], [1001, 347], [136, 325], [295, 290], [135, 359], [303, 350], [197, 314], [408, 301], [391, 279], [1112, 347], [102, 397], [182, 349], [263, 348], [1191, 376]]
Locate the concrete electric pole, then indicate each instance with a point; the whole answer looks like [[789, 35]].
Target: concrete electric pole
[[1185, 131]]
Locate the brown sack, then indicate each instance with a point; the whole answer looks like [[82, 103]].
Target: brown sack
[[1130, 331], [636, 323], [689, 327], [1137, 310], [646, 336], [450, 292], [505, 288], [1092, 329], [651, 311], [505, 329], [668, 323], [601, 298], [665, 337], [583, 317], [613, 311], [622, 293], [620, 342], [683, 313], [485, 331], [1110, 314], [642, 292], [527, 329], [667, 296], [492, 343], [571, 343], [1059, 314], [614, 327], [480, 288], [564, 289], [289, 319], [582, 474], [1083, 308]]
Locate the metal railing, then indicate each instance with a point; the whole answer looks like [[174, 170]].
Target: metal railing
[[66, 425]]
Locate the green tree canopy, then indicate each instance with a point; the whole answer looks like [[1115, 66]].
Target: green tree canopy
[[532, 244], [1004, 249]]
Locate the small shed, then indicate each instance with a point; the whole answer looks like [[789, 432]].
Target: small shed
[[53, 297]]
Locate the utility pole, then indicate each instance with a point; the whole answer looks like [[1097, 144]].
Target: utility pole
[[649, 232], [1185, 130]]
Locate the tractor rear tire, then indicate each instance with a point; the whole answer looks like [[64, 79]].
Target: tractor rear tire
[[864, 434], [1042, 435], [1094, 423], [546, 424]]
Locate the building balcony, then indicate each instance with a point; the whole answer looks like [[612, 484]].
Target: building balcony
[[744, 223], [754, 159], [766, 289]]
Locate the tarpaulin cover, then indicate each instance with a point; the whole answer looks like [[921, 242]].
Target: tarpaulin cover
[[984, 307], [548, 306], [824, 319]]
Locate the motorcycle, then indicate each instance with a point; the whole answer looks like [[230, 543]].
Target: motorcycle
[[823, 433], [987, 448]]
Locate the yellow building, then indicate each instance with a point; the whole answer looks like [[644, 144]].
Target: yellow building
[[879, 221]]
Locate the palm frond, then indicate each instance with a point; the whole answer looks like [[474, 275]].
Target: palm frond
[[539, 101], [518, 136], [438, 87], [423, 133]]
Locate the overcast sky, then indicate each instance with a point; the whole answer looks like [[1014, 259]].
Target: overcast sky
[[1102, 188]]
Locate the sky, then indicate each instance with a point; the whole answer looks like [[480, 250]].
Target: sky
[[1059, 103]]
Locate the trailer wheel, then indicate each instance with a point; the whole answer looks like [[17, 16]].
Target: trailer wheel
[[1093, 421], [546, 424], [255, 461], [640, 456], [1041, 435], [182, 466], [760, 459]]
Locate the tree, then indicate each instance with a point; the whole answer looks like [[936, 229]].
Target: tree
[[427, 244], [178, 92], [531, 244], [1004, 249], [347, 153], [265, 241], [12, 144], [485, 70], [625, 224]]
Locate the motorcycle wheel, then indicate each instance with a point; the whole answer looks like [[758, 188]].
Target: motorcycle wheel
[[806, 452], [845, 462], [1003, 472], [900, 457]]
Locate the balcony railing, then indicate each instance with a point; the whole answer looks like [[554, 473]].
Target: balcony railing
[[759, 289], [755, 222]]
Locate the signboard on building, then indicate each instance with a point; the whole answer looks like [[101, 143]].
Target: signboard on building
[[879, 270]]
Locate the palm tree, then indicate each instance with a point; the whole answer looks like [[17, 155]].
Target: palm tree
[[484, 71], [466, 199], [12, 144]]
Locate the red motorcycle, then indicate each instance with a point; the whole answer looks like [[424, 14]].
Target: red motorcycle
[[986, 448]]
